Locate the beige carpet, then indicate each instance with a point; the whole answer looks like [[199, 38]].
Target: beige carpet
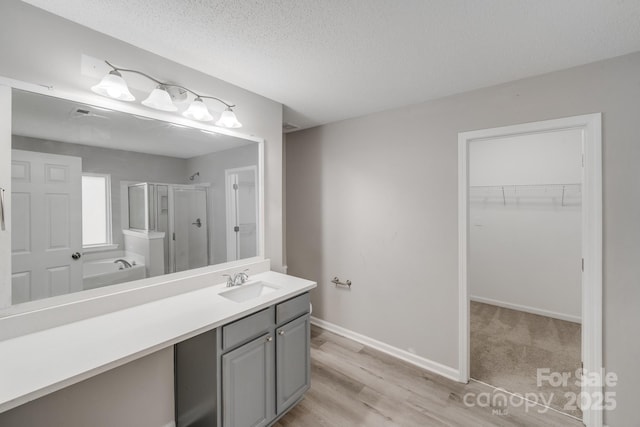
[[508, 346]]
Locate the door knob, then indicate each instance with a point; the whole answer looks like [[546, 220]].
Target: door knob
[[76, 255]]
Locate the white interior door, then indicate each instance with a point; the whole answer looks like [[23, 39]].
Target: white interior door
[[242, 213], [46, 235]]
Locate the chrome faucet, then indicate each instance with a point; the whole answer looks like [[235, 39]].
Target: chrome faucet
[[124, 262], [237, 279]]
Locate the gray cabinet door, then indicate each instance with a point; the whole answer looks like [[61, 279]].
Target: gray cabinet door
[[292, 362], [247, 384]]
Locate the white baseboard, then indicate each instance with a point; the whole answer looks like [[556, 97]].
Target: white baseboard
[[421, 362], [532, 310], [170, 424]]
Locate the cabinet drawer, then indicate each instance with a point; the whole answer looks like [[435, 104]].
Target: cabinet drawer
[[247, 328], [292, 308]]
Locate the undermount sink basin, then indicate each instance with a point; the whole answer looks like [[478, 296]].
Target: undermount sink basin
[[248, 291]]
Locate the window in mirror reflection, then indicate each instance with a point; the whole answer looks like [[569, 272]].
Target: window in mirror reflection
[[102, 197], [96, 210]]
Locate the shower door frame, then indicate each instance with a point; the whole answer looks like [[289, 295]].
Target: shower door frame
[[592, 357]]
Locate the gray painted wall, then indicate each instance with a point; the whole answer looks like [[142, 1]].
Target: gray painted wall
[[212, 167], [374, 200], [135, 394], [121, 165]]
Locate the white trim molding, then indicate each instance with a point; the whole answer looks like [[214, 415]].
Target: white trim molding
[[591, 127], [421, 362]]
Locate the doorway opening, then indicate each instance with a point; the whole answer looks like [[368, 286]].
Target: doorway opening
[[530, 231]]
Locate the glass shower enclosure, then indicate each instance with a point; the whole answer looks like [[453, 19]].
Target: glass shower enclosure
[[180, 211]]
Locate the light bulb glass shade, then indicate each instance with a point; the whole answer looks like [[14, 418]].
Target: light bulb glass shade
[[160, 99], [198, 111], [228, 119], [113, 86]]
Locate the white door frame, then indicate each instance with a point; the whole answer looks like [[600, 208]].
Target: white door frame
[[591, 126]]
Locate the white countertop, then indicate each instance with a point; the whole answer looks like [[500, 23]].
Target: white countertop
[[36, 364]]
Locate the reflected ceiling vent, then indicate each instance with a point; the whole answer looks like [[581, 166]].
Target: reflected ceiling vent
[[288, 127], [81, 112]]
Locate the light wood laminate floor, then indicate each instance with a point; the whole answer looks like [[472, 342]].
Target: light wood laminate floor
[[355, 385]]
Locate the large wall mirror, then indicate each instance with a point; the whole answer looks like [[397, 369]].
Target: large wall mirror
[[100, 197]]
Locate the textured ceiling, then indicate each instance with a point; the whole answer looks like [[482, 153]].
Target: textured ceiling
[[328, 60]]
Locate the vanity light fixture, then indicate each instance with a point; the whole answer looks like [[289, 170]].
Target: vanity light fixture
[[228, 119], [160, 99], [114, 86], [198, 111]]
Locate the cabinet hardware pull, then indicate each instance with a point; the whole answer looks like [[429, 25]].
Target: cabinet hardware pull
[[269, 338], [281, 333]]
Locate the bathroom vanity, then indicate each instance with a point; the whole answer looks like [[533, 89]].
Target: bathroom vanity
[[239, 349], [248, 372]]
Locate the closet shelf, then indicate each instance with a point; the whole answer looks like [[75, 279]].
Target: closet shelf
[[564, 194], [532, 186]]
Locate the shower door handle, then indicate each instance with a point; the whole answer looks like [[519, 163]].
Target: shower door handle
[[198, 223]]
